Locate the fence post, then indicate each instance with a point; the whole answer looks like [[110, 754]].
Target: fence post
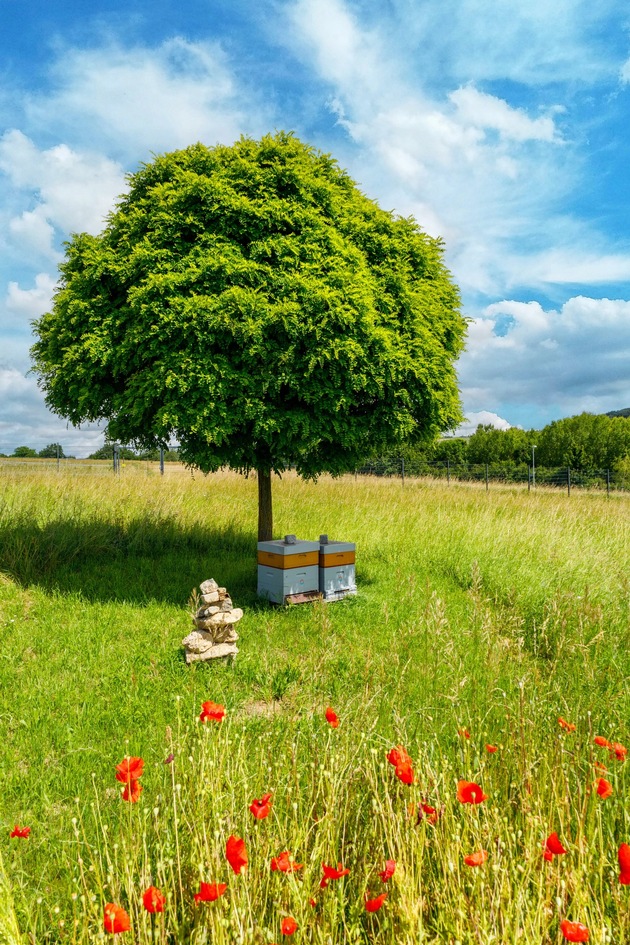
[[486, 477], [529, 478], [568, 480], [403, 472], [608, 483], [116, 458], [162, 460]]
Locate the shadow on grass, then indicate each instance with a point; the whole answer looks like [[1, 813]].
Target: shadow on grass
[[136, 561]]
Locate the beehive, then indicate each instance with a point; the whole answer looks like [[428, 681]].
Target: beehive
[[337, 574], [287, 567]]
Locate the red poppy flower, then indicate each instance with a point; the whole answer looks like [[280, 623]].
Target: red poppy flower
[[236, 854], [491, 749], [20, 831], [624, 864], [312, 902], [260, 809], [425, 810], [404, 772], [129, 769], [470, 793], [600, 766], [601, 741], [115, 919], [288, 926], [285, 863], [331, 873], [153, 900], [388, 872], [332, 718], [213, 711], [619, 750], [463, 733], [553, 847], [574, 931], [132, 791], [567, 726], [373, 905], [210, 892], [476, 859], [604, 788], [398, 756]]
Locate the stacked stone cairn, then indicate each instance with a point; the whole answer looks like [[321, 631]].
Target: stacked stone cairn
[[215, 624]]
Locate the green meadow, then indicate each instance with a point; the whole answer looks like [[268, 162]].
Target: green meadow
[[492, 614]]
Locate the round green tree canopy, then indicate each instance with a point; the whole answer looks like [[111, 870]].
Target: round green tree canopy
[[251, 303]]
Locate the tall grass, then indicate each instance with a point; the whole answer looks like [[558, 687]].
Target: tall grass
[[492, 612]]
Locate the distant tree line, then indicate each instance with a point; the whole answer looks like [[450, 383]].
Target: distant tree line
[[55, 450], [587, 441], [48, 452], [126, 452]]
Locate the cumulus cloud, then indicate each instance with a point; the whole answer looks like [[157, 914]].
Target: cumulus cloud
[[486, 418], [31, 303], [75, 190], [572, 359], [33, 231], [140, 100]]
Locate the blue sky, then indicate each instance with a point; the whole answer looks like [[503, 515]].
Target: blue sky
[[502, 127]]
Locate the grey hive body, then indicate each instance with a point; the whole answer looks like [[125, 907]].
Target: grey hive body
[[337, 570], [286, 568]]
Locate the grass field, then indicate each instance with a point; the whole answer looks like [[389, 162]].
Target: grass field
[[495, 613]]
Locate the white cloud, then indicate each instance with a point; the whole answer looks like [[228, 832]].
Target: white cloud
[[486, 418], [31, 303], [26, 421], [33, 231], [141, 100], [568, 265], [13, 384], [76, 190], [568, 360], [480, 110], [471, 167]]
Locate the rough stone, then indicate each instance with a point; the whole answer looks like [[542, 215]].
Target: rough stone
[[219, 649], [205, 612], [198, 641], [209, 586]]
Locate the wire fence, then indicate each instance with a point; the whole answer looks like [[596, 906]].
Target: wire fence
[[531, 477], [488, 474]]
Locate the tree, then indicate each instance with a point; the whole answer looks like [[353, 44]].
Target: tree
[[107, 452], [250, 303], [50, 451], [24, 452]]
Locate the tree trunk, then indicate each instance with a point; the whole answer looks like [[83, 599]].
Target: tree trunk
[[265, 511]]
